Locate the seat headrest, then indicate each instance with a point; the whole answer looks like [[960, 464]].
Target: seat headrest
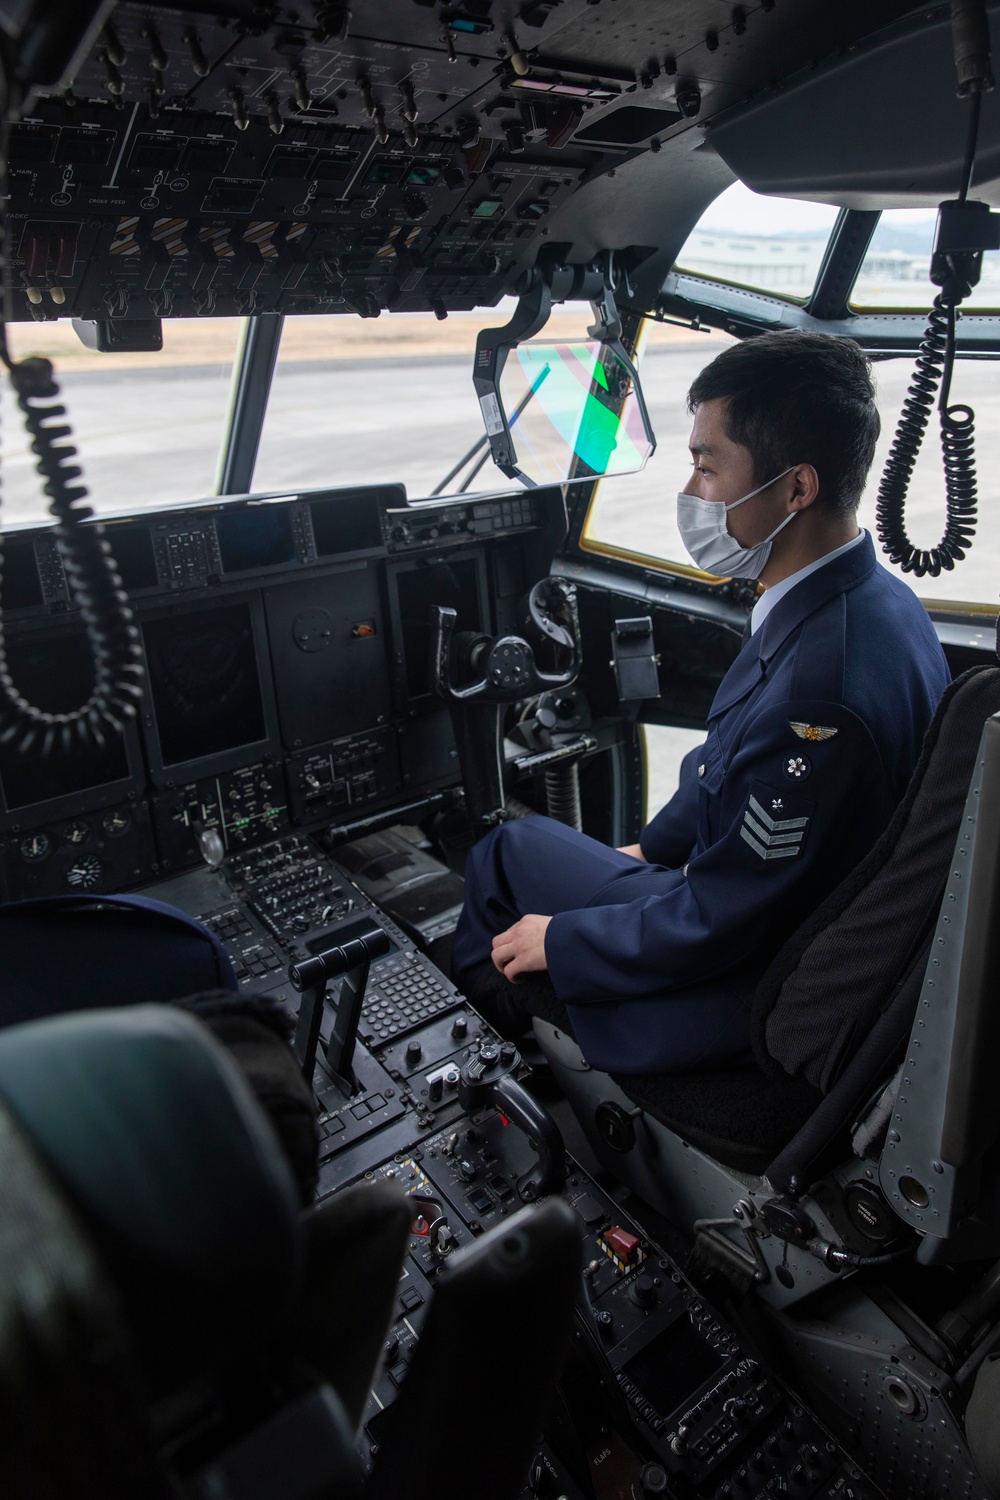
[[152, 1132]]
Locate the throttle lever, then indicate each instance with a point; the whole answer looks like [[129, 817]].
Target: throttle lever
[[487, 1081]]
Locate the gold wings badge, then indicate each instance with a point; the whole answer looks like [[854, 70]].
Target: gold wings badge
[[811, 731]]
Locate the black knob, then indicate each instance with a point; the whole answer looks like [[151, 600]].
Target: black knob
[[606, 1324], [654, 1480], [466, 1171], [489, 1052], [391, 1348], [436, 1088], [642, 1292], [508, 1052], [460, 1026], [414, 1052]]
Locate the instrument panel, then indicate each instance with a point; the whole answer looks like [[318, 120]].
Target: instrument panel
[[287, 645]]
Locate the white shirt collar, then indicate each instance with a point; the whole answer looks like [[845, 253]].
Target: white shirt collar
[[770, 597]]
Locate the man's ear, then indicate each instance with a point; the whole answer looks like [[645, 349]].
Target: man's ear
[[805, 482]]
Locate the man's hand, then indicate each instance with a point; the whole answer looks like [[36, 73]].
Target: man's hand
[[635, 850], [521, 949]]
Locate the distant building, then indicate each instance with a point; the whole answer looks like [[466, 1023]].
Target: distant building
[[773, 263], [788, 265]]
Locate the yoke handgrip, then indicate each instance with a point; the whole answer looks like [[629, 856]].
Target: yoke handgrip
[[487, 1081], [513, 1100]]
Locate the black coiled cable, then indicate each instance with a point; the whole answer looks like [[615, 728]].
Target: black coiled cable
[[934, 362], [94, 584]]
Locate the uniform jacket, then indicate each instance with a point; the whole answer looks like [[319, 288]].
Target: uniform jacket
[[812, 738]]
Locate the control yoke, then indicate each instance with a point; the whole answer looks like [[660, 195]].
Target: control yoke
[[500, 670], [487, 1081], [505, 666], [352, 960]]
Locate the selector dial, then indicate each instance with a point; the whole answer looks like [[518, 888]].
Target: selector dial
[[35, 848], [86, 872]]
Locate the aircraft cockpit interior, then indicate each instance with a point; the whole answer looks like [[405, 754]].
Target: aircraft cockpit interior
[[346, 350]]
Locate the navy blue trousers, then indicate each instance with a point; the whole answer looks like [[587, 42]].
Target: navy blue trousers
[[539, 865], [528, 865]]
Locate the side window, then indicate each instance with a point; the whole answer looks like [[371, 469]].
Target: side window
[[633, 517]]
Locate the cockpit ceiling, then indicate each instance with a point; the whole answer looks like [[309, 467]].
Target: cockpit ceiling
[[304, 157]]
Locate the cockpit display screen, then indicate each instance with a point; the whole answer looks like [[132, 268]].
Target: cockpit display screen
[[21, 584], [674, 1366], [455, 584], [56, 673], [258, 537], [204, 682]]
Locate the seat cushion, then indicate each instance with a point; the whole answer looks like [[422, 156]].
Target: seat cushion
[[741, 1116]]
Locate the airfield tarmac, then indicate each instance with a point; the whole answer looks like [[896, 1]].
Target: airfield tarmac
[[392, 400]]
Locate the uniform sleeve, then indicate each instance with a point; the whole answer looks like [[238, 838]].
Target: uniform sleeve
[[671, 836], [779, 826]]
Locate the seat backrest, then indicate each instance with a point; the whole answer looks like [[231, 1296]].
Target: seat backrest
[[64, 953], [178, 1179], [71, 1419], [840, 971], [940, 1166]]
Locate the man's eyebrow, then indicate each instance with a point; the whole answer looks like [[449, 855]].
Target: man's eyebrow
[[697, 448]]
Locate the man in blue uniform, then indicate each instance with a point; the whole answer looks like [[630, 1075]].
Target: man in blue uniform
[[655, 950]]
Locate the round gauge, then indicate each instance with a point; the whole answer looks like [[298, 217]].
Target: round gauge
[[116, 822], [77, 832], [85, 873], [35, 848]]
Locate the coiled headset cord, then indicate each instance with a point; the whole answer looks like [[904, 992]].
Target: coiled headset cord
[[95, 584], [956, 274]]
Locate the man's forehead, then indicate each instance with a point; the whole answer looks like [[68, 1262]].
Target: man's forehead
[[708, 434]]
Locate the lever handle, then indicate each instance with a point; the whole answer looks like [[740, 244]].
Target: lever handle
[[487, 1080], [514, 1101]]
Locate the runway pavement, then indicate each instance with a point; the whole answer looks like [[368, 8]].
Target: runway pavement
[[151, 437]]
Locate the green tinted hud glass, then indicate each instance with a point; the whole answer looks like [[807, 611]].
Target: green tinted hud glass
[[573, 411]]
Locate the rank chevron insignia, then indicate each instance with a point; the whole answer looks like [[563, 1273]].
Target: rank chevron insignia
[[772, 838], [811, 731]]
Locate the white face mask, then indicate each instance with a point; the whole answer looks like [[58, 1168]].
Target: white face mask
[[702, 525]]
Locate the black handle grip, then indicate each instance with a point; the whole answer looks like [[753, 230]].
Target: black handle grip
[[333, 962], [514, 1101]]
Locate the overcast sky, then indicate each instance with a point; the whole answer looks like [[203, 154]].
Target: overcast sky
[[739, 208]]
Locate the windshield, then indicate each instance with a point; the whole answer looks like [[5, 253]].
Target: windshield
[[384, 400], [895, 272], [774, 245], [148, 427]]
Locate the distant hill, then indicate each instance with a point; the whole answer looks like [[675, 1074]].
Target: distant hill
[[915, 239]]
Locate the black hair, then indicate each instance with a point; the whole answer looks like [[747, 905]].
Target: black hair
[[796, 397]]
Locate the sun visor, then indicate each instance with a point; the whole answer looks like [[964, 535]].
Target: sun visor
[[899, 143]]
